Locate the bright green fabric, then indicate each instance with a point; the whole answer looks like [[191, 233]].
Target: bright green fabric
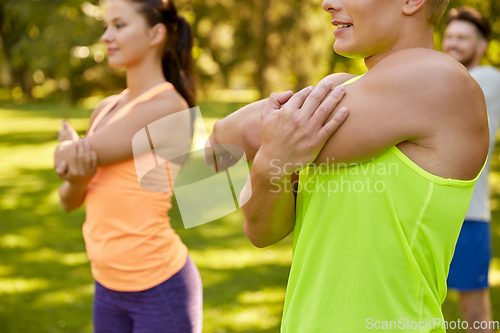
[[361, 252]]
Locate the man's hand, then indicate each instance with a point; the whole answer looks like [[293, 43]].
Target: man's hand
[[294, 129], [82, 164], [67, 132]]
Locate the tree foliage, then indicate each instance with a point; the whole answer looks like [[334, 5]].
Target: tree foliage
[[51, 49]]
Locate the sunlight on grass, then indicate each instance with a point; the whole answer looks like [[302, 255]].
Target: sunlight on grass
[[240, 319], [494, 180], [229, 258], [202, 128], [15, 241], [6, 270], [47, 254], [28, 156], [266, 295], [73, 259], [42, 255], [22, 285], [214, 278], [64, 296], [494, 273]]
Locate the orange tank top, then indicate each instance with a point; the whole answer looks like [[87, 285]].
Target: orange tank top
[[128, 237]]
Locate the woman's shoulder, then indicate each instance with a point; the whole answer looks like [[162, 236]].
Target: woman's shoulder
[[101, 105], [164, 103]]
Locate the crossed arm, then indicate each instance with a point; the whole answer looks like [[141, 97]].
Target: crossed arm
[[113, 143], [386, 107]]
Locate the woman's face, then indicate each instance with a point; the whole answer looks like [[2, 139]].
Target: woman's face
[[372, 26], [126, 35]]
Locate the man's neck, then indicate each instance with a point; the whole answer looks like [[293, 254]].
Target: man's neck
[[473, 64], [419, 39]]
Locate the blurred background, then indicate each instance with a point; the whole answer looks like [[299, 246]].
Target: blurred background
[[52, 66]]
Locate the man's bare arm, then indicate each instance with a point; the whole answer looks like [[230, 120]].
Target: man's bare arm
[[243, 127], [292, 136]]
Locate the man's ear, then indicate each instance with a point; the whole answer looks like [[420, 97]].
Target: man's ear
[[157, 34], [482, 46], [410, 7]]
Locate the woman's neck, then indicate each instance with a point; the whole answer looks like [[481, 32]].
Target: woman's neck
[[143, 76]]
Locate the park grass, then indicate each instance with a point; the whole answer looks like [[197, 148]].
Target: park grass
[[45, 279]]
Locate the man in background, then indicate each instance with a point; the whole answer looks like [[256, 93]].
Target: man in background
[[466, 40]]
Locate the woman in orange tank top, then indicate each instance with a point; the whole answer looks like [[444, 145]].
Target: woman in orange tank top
[[145, 280]]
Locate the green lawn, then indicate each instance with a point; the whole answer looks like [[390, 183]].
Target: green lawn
[[45, 280]]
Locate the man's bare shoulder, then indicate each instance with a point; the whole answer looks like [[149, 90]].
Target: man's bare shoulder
[[339, 78], [433, 79]]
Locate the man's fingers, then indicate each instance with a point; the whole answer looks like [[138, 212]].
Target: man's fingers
[[315, 99], [279, 99], [298, 99], [319, 116], [333, 125], [275, 101]]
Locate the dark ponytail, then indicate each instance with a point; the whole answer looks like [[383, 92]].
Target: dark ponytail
[[178, 61], [178, 64]]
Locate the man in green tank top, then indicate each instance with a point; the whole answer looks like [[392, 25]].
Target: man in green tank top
[[377, 214]]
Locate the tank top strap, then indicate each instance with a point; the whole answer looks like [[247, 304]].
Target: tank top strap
[[105, 111], [354, 79], [147, 95]]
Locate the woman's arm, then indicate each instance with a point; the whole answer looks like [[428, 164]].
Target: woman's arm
[[71, 196], [72, 193], [77, 174], [113, 143]]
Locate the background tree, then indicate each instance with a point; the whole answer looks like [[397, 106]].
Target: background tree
[[244, 49]]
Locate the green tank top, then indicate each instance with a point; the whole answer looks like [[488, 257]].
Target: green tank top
[[372, 245]]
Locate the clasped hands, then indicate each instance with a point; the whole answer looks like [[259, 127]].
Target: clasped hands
[[294, 127], [82, 163]]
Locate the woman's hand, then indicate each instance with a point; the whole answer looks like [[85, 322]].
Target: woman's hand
[[67, 132], [294, 129], [82, 164]]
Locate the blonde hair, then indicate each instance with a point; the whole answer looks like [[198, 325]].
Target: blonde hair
[[436, 10]]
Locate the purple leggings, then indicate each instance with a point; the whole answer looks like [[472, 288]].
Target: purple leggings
[[173, 306]]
